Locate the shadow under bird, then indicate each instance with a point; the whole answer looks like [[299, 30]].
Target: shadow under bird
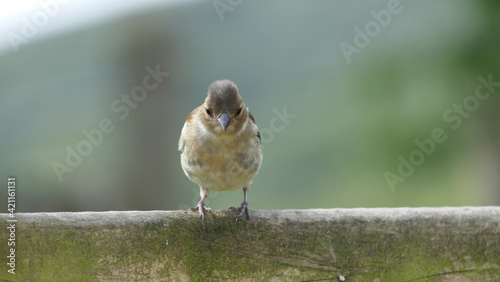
[[220, 145]]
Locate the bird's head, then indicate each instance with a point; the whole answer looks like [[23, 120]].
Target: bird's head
[[224, 110]]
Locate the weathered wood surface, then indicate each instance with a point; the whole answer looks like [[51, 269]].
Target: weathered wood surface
[[388, 244]]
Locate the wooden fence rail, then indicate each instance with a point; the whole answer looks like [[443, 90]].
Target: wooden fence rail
[[381, 244]]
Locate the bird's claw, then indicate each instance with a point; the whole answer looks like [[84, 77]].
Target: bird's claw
[[201, 208], [243, 209]]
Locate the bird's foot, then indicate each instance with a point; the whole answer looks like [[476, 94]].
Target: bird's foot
[[243, 209], [201, 208]]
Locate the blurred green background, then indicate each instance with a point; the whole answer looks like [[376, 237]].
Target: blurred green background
[[354, 114]]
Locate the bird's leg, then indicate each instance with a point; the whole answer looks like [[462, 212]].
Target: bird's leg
[[200, 207], [243, 209]]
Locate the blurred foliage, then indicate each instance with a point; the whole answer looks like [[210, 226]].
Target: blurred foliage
[[352, 120]]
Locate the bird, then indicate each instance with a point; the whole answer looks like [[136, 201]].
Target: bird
[[220, 146]]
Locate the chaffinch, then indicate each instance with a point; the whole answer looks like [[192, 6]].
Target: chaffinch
[[220, 145]]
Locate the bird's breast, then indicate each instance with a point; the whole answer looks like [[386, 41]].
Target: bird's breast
[[223, 165]]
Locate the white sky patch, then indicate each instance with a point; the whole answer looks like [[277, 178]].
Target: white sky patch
[[66, 15]]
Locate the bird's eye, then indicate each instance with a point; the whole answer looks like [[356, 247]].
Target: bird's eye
[[209, 112], [238, 112]]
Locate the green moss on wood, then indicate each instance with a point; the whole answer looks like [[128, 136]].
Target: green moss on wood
[[260, 248]]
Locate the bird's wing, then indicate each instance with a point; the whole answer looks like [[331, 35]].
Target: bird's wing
[[255, 124], [182, 143]]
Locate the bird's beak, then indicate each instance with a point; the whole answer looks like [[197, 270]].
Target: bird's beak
[[224, 121]]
